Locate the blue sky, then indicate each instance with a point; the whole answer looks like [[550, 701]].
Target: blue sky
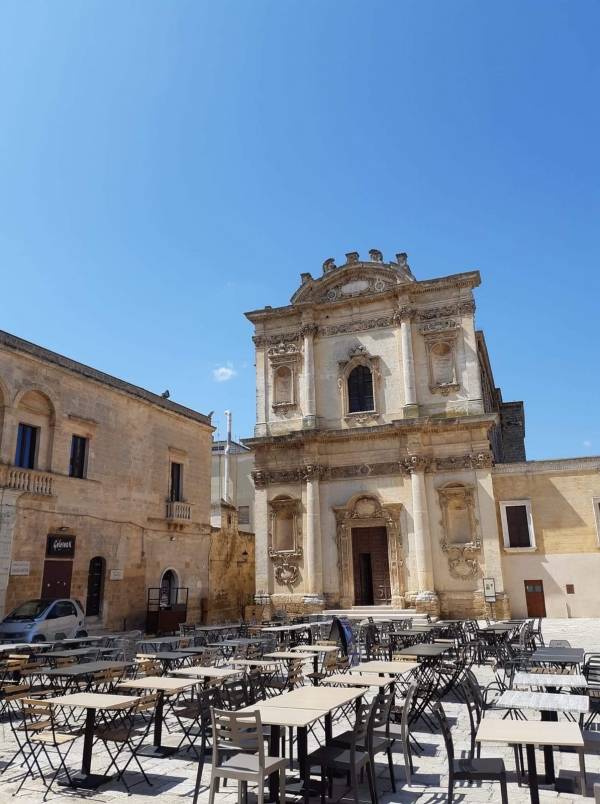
[[166, 166]]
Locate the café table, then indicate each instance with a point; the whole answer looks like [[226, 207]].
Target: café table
[[162, 685], [192, 651], [90, 640], [76, 653], [206, 672], [91, 702], [549, 705], [315, 650], [355, 680], [253, 663], [550, 680], [288, 654], [384, 668], [74, 672], [156, 643], [557, 656], [168, 657], [531, 733], [425, 650]]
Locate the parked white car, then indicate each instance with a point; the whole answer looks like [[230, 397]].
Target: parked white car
[[44, 621]]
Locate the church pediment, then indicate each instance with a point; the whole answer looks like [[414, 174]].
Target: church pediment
[[353, 279]]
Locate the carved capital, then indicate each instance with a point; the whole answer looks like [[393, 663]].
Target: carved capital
[[313, 471], [418, 463], [308, 330], [407, 314], [466, 307], [260, 479]]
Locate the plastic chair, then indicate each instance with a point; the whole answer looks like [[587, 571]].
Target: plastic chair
[[243, 732]]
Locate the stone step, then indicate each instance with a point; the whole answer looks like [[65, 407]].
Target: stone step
[[377, 613]]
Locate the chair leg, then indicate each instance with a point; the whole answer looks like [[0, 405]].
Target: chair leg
[[354, 784], [391, 766], [372, 782], [582, 770], [199, 777], [213, 786], [282, 786], [323, 783], [504, 791], [450, 789]]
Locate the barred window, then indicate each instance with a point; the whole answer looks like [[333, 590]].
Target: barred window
[[360, 390]]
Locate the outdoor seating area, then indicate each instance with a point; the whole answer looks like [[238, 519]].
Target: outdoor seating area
[[447, 711]]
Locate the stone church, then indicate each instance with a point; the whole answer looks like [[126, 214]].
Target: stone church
[[378, 425]]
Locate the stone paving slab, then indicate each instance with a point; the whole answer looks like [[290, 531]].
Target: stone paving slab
[[173, 778]]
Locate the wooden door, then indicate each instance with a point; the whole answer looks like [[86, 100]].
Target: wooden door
[[56, 581], [534, 596], [371, 567]]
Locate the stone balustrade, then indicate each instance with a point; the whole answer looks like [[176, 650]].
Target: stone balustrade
[[26, 480], [179, 511]]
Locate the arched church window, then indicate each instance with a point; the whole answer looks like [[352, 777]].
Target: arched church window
[[283, 386], [360, 390]]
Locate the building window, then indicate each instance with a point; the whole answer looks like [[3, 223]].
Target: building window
[[176, 490], [360, 390], [78, 455], [26, 446], [244, 515], [94, 588], [517, 525]]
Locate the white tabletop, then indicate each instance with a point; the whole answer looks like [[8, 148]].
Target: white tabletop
[[93, 700], [159, 683], [315, 649], [284, 716], [356, 680], [287, 654], [395, 668], [530, 732], [543, 701], [326, 698], [549, 680], [206, 672]]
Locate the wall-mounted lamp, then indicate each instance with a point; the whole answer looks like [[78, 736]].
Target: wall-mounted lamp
[[244, 558], [63, 528]]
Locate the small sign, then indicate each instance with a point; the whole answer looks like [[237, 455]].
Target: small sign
[[20, 567], [115, 575], [489, 590], [59, 546]]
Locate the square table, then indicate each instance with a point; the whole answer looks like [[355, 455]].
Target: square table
[[206, 672], [315, 650], [253, 663], [425, 650], [531, 733], [162, 685], [156, 643], [168, 657], [75, 671], [287, 654], [551, 680], [89, 639], [91, 701], [391, 668], [349, 680], [557, 656], [76, 653]]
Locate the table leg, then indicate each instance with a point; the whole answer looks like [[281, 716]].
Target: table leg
[[316, 669], [549, 750], [534, 793], [156, 749], [86, 779], [274, 743]]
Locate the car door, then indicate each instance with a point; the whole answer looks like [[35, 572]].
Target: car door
[[61, 620]]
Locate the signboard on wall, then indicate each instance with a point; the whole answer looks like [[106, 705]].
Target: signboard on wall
[[115, 575], [59, 546], [20, 567], [489, 590]]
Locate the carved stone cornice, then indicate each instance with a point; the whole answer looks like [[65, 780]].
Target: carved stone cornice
[[466, 307], [276, 340], [418, 463], [350, 327], [438, 325]]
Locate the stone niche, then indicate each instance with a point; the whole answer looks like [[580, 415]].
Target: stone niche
[[285, 548], [461, 542], [283, 361], [441, 362]]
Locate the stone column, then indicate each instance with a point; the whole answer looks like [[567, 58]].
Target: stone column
[[314, 556], [308, 332], [8, 520], [263, 566], [411, 409], [427, 600]]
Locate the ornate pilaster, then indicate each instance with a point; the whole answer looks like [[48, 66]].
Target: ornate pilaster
[[406, 316], [312, 473], [8, 519], [308, 331], [416, 466]]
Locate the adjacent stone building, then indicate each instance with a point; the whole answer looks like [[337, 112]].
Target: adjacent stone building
[[104, 490], [377, 429]]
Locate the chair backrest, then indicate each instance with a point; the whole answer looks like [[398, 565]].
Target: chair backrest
[[591, 669], [241, 651], [65, 661], [256, 685], [210, 657], [295, 677], [440, 715], [559, 643], [235, 694], [381, 710], [34, 711], [253, 652], [361, 733], [235, 730]]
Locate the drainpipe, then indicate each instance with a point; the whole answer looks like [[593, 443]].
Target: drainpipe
[[227, 451]]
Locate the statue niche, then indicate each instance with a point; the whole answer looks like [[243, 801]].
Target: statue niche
[[285, 549], [441, 358]]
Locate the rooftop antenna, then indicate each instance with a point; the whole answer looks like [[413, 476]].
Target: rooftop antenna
[[227, 451]]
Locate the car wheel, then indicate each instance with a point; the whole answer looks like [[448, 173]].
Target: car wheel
[[81, 633], [38, 638]]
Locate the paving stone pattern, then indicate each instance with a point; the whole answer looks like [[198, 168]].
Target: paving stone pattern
[[173, 778]]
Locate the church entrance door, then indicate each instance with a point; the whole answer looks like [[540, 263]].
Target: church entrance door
[[371, 567]]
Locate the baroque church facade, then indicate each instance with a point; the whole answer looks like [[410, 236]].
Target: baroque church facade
[[378, 426]]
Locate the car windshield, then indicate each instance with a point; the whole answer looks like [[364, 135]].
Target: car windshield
[[30, 610]]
